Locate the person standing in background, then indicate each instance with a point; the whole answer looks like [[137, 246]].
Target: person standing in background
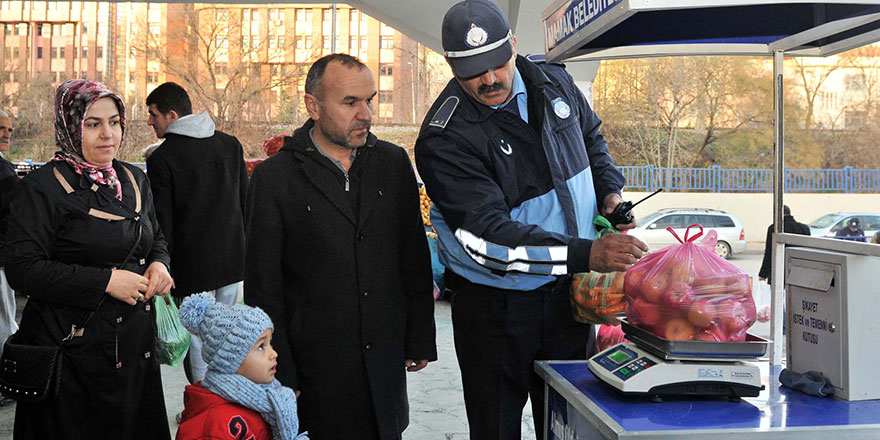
[[199, 182], [8, 181]]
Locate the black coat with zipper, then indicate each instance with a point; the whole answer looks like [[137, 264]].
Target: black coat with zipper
[[346, 278], [65, 236]]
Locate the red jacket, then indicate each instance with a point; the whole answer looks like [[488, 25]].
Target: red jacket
[[209, 416]]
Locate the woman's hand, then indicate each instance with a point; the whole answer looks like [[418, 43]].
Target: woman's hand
[[127, 286], [159, 279]]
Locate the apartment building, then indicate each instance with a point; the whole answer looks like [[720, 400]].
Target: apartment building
[[247, 61]]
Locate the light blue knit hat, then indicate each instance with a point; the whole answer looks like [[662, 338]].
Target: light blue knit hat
[[227, 332]]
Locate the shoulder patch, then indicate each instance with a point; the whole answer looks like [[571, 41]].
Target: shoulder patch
[[444, 113]]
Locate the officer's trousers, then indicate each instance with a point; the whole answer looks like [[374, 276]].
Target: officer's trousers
[[498, 336]]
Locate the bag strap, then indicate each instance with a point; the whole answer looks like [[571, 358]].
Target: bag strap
[[687, 239], [82, 323]]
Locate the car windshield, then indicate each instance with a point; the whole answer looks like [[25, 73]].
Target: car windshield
[[825, 221], [646, 220]]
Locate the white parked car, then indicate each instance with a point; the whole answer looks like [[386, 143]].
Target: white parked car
[[652, 228], [829, 224]]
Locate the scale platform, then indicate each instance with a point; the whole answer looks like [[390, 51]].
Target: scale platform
[[654, 367]]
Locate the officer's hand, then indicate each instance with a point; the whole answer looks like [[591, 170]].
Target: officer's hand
[[616, 253], [611, 202]]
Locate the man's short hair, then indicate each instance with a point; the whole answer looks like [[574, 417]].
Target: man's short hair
[[170, 96], [316, 72]]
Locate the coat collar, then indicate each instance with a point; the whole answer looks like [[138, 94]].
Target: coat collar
[[104, 197], [321, 173]]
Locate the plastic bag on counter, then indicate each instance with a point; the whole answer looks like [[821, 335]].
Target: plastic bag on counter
[[597, 298], [687, 292]]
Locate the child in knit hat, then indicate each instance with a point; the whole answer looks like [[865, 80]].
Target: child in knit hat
[[239, 397]]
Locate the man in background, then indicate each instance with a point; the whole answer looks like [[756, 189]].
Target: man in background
[[789, 226], [199, 182], [852, 231], [8, 181]]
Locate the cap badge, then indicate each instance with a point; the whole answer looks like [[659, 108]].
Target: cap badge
[[561, 108], [476, 36]]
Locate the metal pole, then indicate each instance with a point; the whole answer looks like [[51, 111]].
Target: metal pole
[[333, 31], [778, 266]]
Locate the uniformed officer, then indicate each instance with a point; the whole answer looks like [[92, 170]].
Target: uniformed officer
[[512, 156]]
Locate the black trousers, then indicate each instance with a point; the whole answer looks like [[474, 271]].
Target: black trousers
[[498, 336]]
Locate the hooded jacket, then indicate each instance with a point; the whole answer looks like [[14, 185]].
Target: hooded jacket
[[208, 416], [199, 182]]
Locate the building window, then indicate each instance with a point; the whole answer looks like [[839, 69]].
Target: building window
[[131, 77], [40, 30], [153, 77], [61, 53], [155, 29], [56, 29], [221, 16], [221, 68], [85, 52], [100, 52], [386, 42], [326, 39], [281, 41], [854, 81], [385, 70], [85, 28], [54, 52], [39, 53], [255, 41]]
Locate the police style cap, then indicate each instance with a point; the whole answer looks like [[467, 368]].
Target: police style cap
[[476, 37]]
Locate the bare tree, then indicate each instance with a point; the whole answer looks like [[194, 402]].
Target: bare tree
[[237, 77]]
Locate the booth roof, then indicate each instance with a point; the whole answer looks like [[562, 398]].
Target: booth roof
[[607, 29]]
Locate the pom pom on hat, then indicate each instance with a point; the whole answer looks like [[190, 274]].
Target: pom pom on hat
[[227, 332]]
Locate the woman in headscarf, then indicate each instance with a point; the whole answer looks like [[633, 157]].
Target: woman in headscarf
[[83, 237]]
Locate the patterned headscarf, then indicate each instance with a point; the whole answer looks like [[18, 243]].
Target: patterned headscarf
[[72, 101]]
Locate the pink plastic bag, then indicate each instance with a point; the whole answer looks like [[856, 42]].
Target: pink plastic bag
[[687, 292], [608, 335]]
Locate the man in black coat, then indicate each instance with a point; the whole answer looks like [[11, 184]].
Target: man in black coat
[[337, 256], [199, 182], [789, 226]]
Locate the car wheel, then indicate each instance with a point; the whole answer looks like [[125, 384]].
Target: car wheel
[[722, 249]]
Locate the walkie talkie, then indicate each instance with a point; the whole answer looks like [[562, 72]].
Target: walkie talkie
[[622, 214]]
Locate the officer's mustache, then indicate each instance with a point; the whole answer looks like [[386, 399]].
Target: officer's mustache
[[484, 89]]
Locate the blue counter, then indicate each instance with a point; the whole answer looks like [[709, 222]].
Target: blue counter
[[580, 406]]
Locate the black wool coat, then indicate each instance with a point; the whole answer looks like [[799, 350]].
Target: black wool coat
[[200, 186], [348, 287], [65, 236]]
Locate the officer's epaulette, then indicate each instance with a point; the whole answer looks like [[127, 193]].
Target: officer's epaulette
[[444, 113], [539, 58]]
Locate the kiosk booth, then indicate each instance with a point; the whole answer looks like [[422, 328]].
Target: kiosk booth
[[829, 281]]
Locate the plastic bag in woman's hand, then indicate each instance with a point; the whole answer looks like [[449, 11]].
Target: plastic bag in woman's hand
[[687, 292], [173, 337]]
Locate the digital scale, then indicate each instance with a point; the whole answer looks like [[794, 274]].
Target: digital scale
[[653, 366]]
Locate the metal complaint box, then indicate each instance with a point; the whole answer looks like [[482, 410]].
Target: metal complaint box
[[832, 302]]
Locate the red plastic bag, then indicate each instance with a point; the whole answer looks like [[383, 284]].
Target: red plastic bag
[[687, 292], [608, 336]]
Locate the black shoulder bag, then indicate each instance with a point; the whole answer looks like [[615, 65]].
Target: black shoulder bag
[[32, 373]]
